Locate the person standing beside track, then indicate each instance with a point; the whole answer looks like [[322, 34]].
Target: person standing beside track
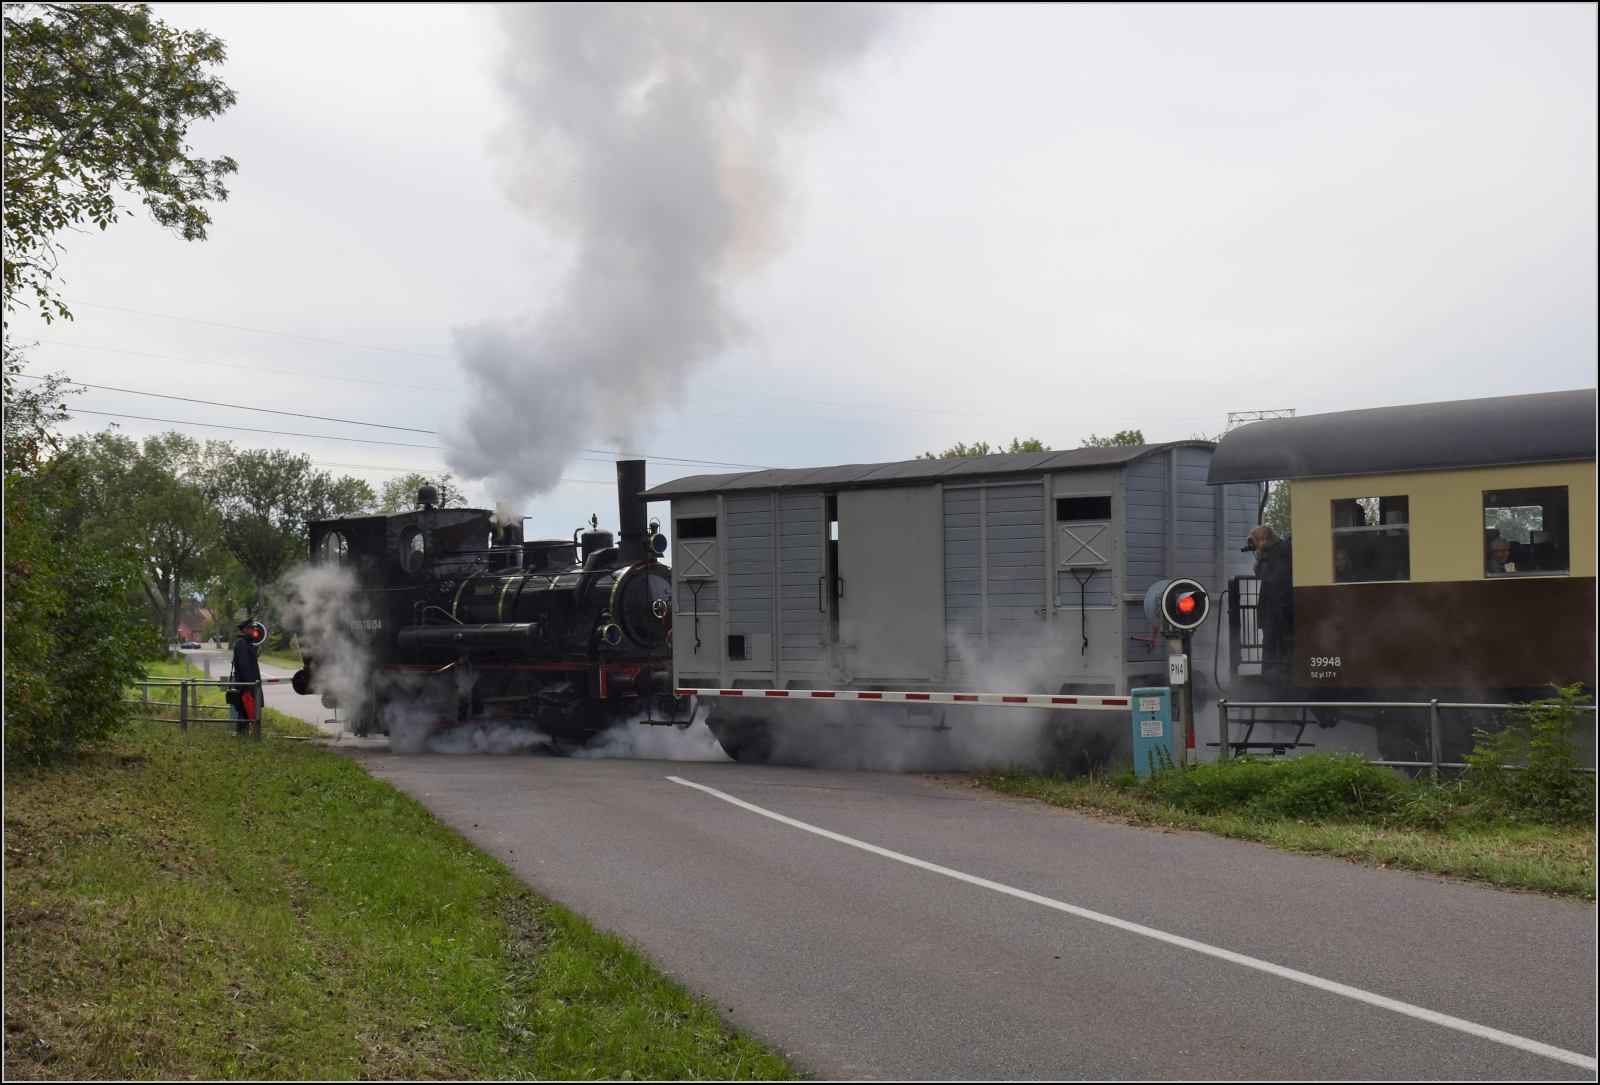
[[246, 669], [1275, 604]]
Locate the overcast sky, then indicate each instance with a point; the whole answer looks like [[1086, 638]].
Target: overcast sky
[[1013, 222]]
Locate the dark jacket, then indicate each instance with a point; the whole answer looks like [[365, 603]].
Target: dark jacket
[[245, 667], [1275, 567]]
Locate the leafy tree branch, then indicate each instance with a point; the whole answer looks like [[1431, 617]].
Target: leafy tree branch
[[98, 100]]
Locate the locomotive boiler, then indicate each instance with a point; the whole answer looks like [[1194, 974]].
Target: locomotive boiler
[[459, 620]]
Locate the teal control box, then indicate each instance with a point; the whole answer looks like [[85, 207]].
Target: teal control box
[[1152, 728]]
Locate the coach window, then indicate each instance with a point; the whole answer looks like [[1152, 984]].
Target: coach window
[[1525, 532], [1371, 539]]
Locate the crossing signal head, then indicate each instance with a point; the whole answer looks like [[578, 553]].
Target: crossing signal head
[[1185, 605], [1177, 606]]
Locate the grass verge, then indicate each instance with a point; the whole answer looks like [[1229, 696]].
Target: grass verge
[[1556, 859], [197, 904]]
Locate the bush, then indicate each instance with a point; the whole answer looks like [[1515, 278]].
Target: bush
[[75, 634], [1528, 768], [1316, 785]]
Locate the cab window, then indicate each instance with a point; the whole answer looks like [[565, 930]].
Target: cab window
[[335, 550], [1371, 539], [1525, 532], [412, 550]]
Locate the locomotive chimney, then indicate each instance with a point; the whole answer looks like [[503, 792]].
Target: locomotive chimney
[[632, 511]]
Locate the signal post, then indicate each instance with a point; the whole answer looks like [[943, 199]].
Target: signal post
[[1179, 607]]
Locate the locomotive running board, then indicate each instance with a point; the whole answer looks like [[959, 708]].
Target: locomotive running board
[[979, 700]]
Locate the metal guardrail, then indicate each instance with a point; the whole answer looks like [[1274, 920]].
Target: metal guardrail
[[188, 703], [1433, 764]]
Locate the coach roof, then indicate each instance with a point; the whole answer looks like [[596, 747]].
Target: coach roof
[[1542, 428], [903, 472]]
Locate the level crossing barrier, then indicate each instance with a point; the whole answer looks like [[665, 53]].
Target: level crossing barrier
[[1000, 700]]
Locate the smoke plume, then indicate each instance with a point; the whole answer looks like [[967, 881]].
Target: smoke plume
[[653, 137], [318, 605]]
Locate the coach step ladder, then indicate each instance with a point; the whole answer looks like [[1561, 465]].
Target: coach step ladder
[[1296, 718]]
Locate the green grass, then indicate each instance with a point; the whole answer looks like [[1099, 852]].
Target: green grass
[[183, 904], [1364, 813], [286, 659]]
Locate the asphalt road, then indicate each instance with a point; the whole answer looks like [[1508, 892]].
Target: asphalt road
[[860, 965]]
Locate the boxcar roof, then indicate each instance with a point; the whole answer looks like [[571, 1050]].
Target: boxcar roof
[[1540, 428], [969, 468]]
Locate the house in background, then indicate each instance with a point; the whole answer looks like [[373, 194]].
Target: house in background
[[194, 622]]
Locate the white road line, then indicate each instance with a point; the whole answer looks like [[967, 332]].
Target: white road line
[[1522, 1043]]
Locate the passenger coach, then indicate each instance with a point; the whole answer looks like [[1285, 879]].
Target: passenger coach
[[1439, 549]]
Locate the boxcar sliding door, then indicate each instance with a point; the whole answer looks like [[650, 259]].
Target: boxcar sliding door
[[891, 608]]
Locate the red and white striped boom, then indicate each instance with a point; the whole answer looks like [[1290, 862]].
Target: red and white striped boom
[[998, 700]]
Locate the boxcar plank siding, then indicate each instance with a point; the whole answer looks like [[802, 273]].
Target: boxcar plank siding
[[697, 597], [1145, 505], [1243, 503], [1014, 530], [800, 567], [1197, 518], [1096, 591], [963, 566], [750, 572], [1138, 652]]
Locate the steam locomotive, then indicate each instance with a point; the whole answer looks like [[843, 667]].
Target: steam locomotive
[[462, 621]]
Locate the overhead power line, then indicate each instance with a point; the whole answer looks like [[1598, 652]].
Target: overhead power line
[[348, 421], [248, 429], [687, 414], [434, 471], [692, 388], [257, 368], [266, 331], [259, 410], [669, 461]]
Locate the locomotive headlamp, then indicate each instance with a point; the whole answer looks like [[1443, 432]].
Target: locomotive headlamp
[[658, 544], [254, 631], [609, 632], [1177, 606]]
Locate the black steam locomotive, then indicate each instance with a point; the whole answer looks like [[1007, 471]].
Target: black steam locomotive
[[461, 621]]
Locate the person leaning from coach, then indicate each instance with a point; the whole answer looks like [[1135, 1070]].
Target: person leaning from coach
[[1275, 603], [245, 669]]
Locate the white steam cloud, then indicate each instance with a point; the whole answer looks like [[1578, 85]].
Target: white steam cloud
[[648, 742], [318, 604], [653, 136]]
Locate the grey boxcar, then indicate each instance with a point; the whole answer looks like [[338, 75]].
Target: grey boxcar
[[1008, 573]]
